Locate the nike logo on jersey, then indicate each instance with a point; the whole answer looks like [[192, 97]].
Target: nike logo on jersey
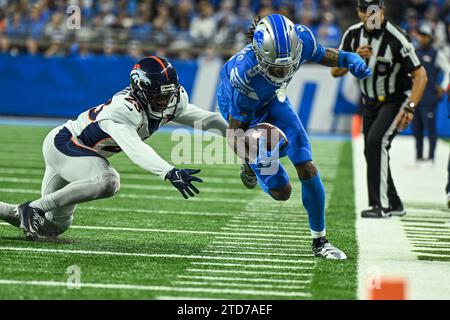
[[134, 103]]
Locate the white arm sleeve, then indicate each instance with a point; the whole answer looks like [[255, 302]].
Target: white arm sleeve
[[139, 152], [205, 120], [443, 64]]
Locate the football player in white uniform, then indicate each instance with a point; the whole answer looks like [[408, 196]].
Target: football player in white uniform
[[75, 153]]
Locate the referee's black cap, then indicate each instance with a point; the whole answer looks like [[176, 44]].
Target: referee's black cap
[[365, 4]]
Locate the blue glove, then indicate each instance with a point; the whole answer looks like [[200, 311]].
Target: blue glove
[[182, 180], [355, 64], [266, 158]]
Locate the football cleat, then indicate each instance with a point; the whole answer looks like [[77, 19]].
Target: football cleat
[[398, 211], [31, 219], [375, 213], [322, 248], [248, 177]]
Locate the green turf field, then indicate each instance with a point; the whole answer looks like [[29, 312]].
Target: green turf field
[[149, 243]]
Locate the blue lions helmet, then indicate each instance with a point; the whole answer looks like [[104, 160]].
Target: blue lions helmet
[[278, 48]]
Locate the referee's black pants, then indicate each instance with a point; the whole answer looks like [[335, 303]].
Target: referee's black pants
[[379, 131]]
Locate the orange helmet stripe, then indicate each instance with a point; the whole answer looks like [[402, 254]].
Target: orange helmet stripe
[[162, 65]]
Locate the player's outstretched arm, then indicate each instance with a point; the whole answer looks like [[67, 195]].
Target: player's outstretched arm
[[145, 157], [236, 137], [192, 116], [346, 60]]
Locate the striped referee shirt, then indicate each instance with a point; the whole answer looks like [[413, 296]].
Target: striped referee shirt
[[392, 62]]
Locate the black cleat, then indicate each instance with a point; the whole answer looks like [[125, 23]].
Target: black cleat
[[375, 213], [31, 219], [398, 211], [248, 177], [322, 248]]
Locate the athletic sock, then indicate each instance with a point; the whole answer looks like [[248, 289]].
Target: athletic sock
[[313, 197], [319, 241], [6, 209], [45, 203]]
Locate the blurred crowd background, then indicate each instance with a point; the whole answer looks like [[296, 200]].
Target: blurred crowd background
[[185, 29]]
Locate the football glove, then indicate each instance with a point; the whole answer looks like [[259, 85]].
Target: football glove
[[182, 180], [355, 64], [267, 158]]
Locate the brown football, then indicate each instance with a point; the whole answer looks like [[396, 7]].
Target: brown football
[[272, 134]]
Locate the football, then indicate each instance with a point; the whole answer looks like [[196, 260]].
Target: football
[[271, 133]]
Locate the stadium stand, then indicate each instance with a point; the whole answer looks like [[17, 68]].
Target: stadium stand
[[181, 28]]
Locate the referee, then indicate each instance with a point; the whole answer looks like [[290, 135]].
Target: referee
[[389, 97]]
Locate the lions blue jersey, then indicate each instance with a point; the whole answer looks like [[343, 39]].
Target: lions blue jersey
[[244, 93]]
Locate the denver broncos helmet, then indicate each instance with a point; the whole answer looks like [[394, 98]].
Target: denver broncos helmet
[[155, 83]]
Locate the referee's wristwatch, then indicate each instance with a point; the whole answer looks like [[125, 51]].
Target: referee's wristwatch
[[410, 107]]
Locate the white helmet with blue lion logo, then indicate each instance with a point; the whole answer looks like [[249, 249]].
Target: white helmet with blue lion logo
[[278, 48]]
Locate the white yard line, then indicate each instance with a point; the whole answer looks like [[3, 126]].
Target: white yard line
[[242, 247], [274, 231], [219, 278], [251, 253], [383, 244], [161, 187], [265, 227], [172, 212], [158, 288], [264, 239], [424, 244], [300, 219], [268, 244], [425, 232], [239, 285], [153, 255], [250, 272], [273, 226], [141, 196], [149, 230], [252, 266], [429, 249], [181, 212], [131, 176]]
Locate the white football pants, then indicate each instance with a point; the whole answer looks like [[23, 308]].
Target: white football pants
[[73, 180]]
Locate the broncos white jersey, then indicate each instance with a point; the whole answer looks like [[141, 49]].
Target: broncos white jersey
[[88, 131], [122, 124]]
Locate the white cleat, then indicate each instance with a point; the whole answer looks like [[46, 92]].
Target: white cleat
[[326, 250]]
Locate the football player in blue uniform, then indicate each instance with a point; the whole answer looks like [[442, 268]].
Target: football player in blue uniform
[[252, 91]]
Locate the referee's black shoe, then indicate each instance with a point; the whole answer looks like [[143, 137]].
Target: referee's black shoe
[[375, 212], [398, 211]]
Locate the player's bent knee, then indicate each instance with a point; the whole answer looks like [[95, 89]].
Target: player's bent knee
[[307, 170], [109, 185], [283, 194]]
